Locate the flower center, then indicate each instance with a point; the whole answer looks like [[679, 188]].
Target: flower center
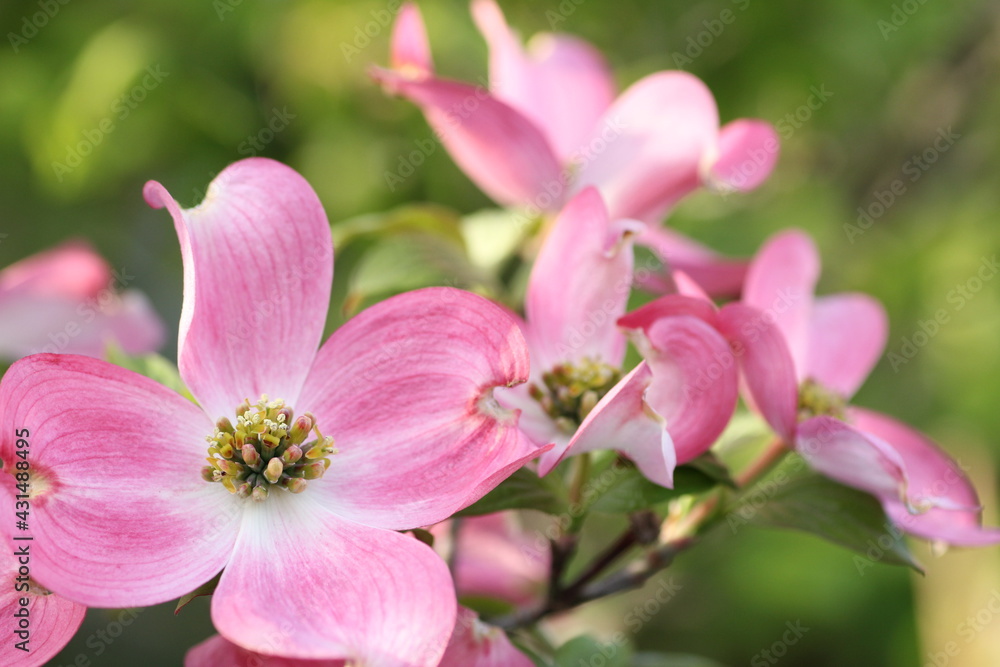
[[815, 400], [266, 448], [569, 392]]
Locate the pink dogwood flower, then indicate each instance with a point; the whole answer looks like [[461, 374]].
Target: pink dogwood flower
[[494, 557], [579, 396], [472, 644], [832, 344], [549, 126], [315, 459], [37, 624], [66, 300]]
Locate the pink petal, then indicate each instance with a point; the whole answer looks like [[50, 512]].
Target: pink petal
[[847, 335], [503, 152], [303, 583], [258, 262], [745, 156], [935, 480], [713, 272], [72, 270], [52, 620], [647, 149], [852, 457], [563, 84], [580, 285], [405, 389], [30, 324], [670, 305], [766, 363], [623, 420], [411, 52], [533, 421], [475, 644], [217, 651], [686, 286], [780, 283], [120, 515], [496, 558], [694, 383]]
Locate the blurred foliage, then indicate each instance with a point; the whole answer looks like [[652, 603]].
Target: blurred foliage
[[108, 94]]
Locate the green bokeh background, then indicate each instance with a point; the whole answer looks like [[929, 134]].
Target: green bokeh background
[[231, 66]]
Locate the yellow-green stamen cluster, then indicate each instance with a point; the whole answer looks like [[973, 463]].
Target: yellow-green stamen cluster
[[571, 391], [815, 400], [266, 448]]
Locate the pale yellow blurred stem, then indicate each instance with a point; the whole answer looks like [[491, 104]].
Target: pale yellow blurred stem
[[960, 585]]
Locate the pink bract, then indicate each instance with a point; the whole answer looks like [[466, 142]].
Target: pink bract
[[122, 516], [549, 126], [834, 342], [68, 299]]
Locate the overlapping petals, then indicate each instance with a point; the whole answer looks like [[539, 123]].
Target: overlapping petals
[[68, 300], [548, 126], [475, 644], [405, 389]]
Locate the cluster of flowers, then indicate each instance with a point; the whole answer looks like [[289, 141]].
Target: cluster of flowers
[[321, 457]]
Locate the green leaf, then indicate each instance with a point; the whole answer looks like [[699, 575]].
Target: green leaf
[[426, 218], [206, 588], [632, 492], [408, 261], [152, 366], [586, 650], [672, 660], [709, 465], [522, 490], [838, 513]]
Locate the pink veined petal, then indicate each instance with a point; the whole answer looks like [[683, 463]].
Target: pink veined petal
[[670, 305], [766, 364], [714, 273], [651, 142], [30, 324], [496, 558], [852, 457], [405, 389], [410, 50], [120, 514], [625, 421], [475, 644], [499, 149], [304, 583], [580, 285], [847, 334], [258, 263], [746, 153], [780, 283], [217, 651], [695, 384], [562, 83], [71, 270], [935, 480], [52, 620]]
